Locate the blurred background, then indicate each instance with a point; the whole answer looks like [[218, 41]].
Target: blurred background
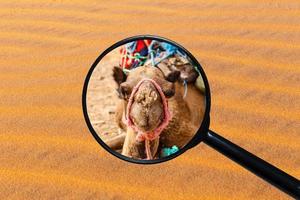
[[249, 51]]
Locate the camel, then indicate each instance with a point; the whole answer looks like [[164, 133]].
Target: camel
[[147, 111]]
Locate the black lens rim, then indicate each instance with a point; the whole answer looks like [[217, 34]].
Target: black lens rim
[[198, 137]]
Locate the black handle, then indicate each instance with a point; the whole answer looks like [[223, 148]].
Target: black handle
[[261, 168]]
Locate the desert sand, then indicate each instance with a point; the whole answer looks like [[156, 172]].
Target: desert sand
[[249, 51], [102, 97]]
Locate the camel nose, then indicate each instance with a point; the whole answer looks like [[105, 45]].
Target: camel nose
[[147, 108]]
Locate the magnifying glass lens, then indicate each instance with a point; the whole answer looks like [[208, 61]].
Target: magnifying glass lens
[[145, 99]]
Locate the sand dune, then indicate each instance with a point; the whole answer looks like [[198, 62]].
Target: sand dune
[[249, 51]]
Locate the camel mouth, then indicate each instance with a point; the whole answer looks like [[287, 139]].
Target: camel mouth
[[148, 126]]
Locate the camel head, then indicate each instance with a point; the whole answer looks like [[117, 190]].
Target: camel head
[[145, 88]]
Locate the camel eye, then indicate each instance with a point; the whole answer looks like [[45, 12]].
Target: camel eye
[[169, 92], [124, 91], [168, 89]]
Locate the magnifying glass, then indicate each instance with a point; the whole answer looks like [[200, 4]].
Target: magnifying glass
[[146, 100]]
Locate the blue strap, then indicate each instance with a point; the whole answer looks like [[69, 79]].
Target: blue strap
[[185, 88]]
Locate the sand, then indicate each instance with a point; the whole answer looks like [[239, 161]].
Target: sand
[[102, 97], [250, 53]]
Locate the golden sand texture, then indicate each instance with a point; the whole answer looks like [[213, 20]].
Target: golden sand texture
[[249, 50]]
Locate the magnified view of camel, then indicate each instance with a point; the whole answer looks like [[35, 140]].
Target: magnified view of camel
[[155, 109]]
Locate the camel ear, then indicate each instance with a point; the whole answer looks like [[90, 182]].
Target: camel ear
[[187, 73], [119, 75], [173, 76]]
